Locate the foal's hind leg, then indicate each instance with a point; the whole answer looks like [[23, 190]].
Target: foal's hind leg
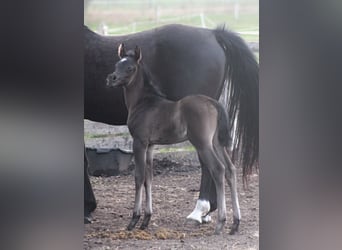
[[139, 151], [230, 174], [216, 169], [148, 187]]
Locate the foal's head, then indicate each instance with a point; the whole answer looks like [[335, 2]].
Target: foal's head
[[125, 69]]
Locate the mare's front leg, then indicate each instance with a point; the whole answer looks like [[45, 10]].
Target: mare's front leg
[[89, 197], [148, 187], [139, 150]]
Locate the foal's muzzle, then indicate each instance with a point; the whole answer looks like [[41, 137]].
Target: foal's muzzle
[[111, 80]]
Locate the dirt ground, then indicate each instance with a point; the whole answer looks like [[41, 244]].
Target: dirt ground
[[175, 191]]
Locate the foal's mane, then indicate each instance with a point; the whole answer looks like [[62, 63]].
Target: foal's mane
[[149, 81]]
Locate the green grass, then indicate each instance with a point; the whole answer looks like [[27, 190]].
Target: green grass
[[175, 149], [94, 136]]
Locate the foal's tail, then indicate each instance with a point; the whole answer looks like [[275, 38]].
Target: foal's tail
[[242, 75], [223, 126]]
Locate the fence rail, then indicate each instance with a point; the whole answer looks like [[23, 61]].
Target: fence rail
[[204, 21], [132, 28]]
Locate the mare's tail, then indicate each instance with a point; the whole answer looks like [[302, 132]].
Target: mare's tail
[[242, 75]]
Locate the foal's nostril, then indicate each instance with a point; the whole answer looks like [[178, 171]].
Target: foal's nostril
[[114, 77]]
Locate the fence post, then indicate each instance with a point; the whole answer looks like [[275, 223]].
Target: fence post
[[202, 20], [236, 10], [103, 29]]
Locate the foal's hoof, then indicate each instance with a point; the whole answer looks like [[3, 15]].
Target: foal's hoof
[[133, 222], [235, 227], [218, 231], [146, 221], [233, 231], [219, 228], [131, 226]]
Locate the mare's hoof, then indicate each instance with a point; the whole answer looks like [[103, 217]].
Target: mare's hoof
[[194, 217], [87, 220], [206, 219], [201, 211], [193, 223]]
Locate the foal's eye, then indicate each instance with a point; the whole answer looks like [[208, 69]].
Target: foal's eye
[[130, 69]]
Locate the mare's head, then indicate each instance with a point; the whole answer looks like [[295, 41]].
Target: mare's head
[[126, 69]]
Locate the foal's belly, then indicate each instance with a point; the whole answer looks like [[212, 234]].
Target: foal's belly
[[162, 123], [167, 141], [169, 134], [168, 127]]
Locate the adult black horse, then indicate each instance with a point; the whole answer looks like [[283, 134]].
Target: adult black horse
[[184, 60]]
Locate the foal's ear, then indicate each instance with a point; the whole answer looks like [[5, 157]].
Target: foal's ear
[[137, 54], [121, 51]]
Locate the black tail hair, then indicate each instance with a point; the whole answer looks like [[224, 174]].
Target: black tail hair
[[242, 74]]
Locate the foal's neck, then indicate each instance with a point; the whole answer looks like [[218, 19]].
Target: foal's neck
[[132, 91], [136, 91]]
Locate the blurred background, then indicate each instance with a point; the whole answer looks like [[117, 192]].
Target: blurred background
[[115, 17]]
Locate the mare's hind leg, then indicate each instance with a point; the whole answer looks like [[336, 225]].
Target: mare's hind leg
[[139, 151], [216, 169], [148, 187], [207, 200]]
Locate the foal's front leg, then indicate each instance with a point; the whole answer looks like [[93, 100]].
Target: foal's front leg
[[148, 187], [139, 150]]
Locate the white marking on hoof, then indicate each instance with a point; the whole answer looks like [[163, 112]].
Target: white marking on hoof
[[202, 208], [206, 219]]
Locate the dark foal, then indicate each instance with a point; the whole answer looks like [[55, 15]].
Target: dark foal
[[185, 61], [152, 119]]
